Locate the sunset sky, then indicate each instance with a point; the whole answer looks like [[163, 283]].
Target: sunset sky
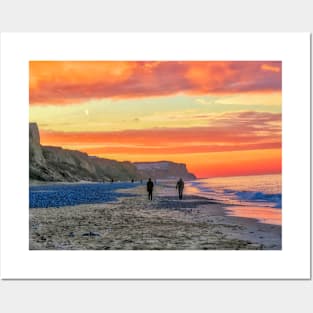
[[219, 118]]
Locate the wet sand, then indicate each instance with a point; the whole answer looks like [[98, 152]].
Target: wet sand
[[165, 223]]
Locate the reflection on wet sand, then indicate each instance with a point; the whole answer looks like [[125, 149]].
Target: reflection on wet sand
[[264, 215]]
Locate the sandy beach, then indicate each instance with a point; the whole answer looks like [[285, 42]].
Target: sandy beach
[[134, 223]]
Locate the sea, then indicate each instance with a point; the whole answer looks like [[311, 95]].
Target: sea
[[257, 196]]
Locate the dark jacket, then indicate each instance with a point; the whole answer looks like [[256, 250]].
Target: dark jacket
[[180, 185], [149, 186]]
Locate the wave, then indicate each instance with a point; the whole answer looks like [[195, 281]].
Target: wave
[[201, 187], [233, 195], [259, 197]]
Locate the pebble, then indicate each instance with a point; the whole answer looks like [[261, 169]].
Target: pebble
[[46, 196], [90, 234]]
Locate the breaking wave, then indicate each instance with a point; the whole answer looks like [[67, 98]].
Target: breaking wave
[[259, 197], [253, 190]]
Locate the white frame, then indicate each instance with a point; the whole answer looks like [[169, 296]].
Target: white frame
[[292, 262]]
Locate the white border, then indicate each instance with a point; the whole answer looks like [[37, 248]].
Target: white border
[[293, 262]]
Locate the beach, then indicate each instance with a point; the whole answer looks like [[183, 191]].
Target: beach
[[134, 223]]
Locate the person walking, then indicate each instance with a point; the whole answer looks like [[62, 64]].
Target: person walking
[[150, 188], [180, 186]]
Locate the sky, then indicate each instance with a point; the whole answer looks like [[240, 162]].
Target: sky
[[220, 118]]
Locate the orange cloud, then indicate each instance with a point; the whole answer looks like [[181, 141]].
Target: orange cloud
[[240, 127], [71, 82], [160, 150], [229, 132], [267, 67], [61, 82]]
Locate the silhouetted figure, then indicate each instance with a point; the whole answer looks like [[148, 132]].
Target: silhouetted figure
[[132, 180], [180, 186], [112, 180], [150, 188]]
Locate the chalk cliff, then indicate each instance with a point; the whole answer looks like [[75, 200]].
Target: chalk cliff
[[163, 170], [57, 164]]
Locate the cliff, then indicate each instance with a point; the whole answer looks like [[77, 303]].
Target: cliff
[[163, 170], [35, 151], [58, 164]]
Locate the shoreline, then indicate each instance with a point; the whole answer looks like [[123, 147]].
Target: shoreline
[[134, 223]]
